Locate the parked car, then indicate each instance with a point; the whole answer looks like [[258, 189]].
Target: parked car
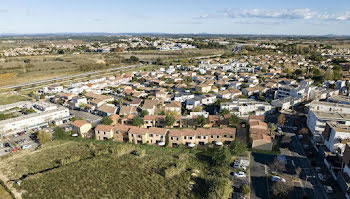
[[321, 177], [328, 189], [26, 146], [240, 174], [236, 165], [277, 179]]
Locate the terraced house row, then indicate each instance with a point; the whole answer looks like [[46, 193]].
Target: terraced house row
[[161, 136]]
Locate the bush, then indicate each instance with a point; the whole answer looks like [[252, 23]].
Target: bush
[[69, 160], [140, 152], [106, 120], [59, 133], [43, 137], [245, 190], [237, 148]]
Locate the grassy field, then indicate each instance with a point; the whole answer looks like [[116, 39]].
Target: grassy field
[[11, 98], [4, 194], [92, 169], [16, 70]]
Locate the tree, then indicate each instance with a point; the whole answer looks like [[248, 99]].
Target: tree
[[222, 156], [137, 121], [272, 126], [304, 131], [197, 109], [106, 120], [144, 113], [329, 75], [233, 120], [59, 133], [221, 187], [224, 112], [285, 141], [281, 189], [119, 102], [245, 189], [281, 119], [277, 166], [169, 120], [43, 137], [200, 121], [4, 116], [238, 147], [133, 59]]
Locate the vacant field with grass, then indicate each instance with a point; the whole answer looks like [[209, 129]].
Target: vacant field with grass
[[11, 98], [17, 70], [4, 194], [92, 169]]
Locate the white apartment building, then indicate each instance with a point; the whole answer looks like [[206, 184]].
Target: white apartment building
[[336, 136], [292, 91], [44, 115], [245, 107], [322, 112]]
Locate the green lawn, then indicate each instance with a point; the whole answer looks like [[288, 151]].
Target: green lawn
[[11, 98], [93, 169]]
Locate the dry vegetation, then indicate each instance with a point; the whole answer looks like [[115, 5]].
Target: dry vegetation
[[11, 98], [17, 70], [92, 169]]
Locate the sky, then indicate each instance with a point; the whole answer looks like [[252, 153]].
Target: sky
[[286, 17]]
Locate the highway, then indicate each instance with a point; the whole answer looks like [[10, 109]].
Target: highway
[[68, 77]]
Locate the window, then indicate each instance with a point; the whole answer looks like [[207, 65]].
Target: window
[[190, 138], [177, 139], [185, 137], [151, 135], [172, 138], [212, 136], [199, 137], [217, 136], [231, 136], [139, 136], [225, 136], [104, 133]]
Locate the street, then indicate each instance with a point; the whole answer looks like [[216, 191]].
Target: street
[[309, 185]]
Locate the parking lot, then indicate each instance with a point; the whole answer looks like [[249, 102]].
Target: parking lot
[[239, 175], [18, 141], [94, 119]]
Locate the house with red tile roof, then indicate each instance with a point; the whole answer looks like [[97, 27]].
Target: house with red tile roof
[[259, 134], [103, 132], [82, 128], [138, 135]]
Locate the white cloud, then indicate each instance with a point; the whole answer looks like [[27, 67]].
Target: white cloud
[[301, 13], [305, 13]]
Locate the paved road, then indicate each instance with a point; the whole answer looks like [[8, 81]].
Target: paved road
[[66, 77], [86, 116], [259, 181], [311, 185]]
